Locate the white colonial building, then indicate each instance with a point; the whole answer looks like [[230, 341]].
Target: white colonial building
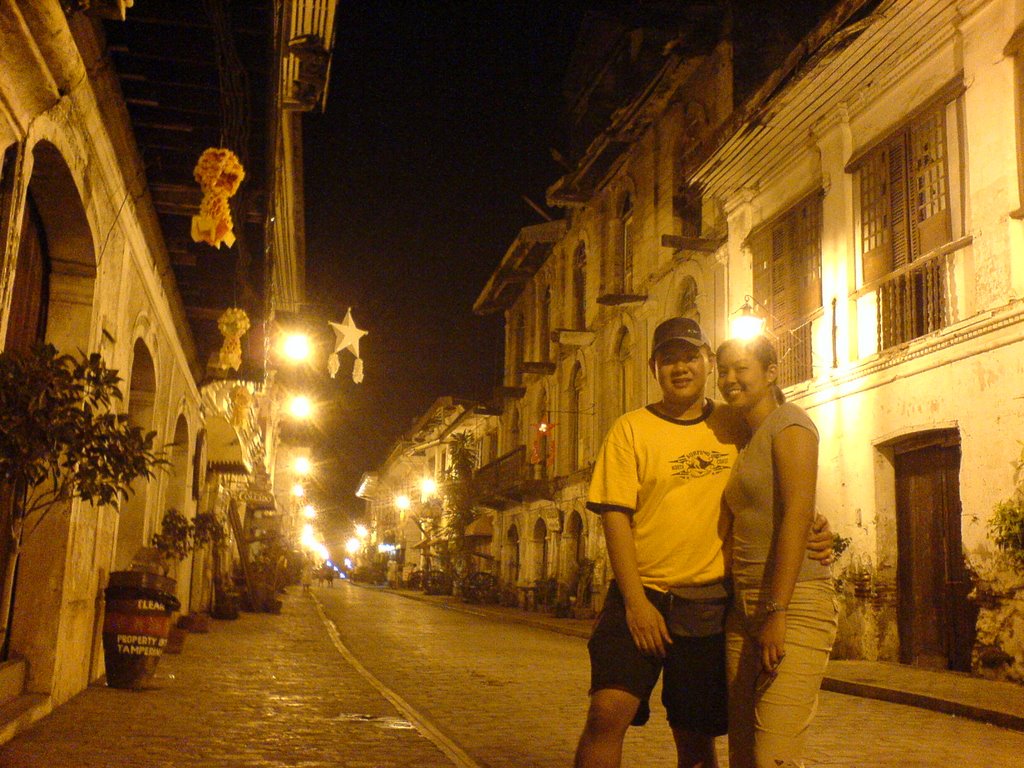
[[873, 202]]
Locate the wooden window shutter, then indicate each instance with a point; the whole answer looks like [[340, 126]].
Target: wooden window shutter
[[807, 255], [783, 306], [761, 255], [26, 322], [898, 224], [875, 236], [929, 183]]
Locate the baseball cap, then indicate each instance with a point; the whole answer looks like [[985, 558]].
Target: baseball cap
[[678, 329]]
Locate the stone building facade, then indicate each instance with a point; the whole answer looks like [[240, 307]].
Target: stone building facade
[[406, 497], [860, 191], [90, 263], [79, 273]]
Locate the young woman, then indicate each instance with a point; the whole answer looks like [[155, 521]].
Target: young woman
[[783, 620]]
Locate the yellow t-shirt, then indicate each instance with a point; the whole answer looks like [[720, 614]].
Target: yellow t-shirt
[[670, 474]]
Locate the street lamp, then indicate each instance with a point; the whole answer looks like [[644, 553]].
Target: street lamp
[[296, 347], [362, 532], [403, 502], [352, 546], [298, 491], [428, 487], [309, 511], [746, 324], [302, 465], [300, 407]]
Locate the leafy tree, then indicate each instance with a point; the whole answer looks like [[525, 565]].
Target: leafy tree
[[460, 505], [61, 439], [208, 529]]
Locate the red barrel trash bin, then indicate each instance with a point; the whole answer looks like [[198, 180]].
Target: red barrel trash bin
[[135, 628]]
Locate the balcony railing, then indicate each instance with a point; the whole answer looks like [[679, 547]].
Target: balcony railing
[[913, 303], [916, 299], [510, 479]]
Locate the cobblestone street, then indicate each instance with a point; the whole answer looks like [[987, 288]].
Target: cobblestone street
[[408, 683]]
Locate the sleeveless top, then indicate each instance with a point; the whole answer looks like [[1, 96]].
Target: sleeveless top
[[752, 496]]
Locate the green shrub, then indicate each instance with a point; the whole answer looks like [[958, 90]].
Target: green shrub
[[1007, 530]]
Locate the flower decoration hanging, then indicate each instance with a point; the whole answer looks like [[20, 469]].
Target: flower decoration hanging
[[233, 324], [219, 173], [241, 399]]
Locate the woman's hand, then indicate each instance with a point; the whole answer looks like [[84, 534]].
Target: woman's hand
[[772, 641]]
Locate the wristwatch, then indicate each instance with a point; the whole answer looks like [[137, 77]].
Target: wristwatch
[[772, 607]]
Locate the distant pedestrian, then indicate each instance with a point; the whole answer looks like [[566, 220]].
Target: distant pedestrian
[[784, 616], [306, 576]]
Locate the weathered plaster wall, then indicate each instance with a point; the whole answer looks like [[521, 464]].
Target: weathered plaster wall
[[47, 105]]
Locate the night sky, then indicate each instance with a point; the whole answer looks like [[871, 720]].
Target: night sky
[[439, 120]]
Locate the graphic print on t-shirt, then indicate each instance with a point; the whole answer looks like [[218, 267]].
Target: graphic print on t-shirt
[[700, 464]]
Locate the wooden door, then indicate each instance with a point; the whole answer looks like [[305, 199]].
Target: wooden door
[[26, 326], [26, 323], [936, 622]]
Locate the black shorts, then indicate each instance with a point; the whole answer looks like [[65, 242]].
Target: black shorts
[[693, 690]]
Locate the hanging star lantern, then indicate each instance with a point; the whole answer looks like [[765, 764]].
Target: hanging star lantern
[[346, 336]]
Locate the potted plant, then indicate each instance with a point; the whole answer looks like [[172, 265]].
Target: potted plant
[[174, 542], [208, 530], [61, 439]]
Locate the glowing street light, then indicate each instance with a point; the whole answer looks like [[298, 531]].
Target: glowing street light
[[302, 465], [298, 491], [362, 532], [309, 512], [300, 407], [403, 502], [297, 347], [353, 545], [746, 325], [428, 487]]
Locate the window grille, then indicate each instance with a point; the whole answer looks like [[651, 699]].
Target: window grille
[[786, 256], [905, 216]]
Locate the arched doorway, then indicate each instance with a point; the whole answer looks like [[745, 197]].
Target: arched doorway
[[541, 564], [26, 322], [580, 570], [179, 497], [52, 301], [131, 527], [573, 545], [510, 556]]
